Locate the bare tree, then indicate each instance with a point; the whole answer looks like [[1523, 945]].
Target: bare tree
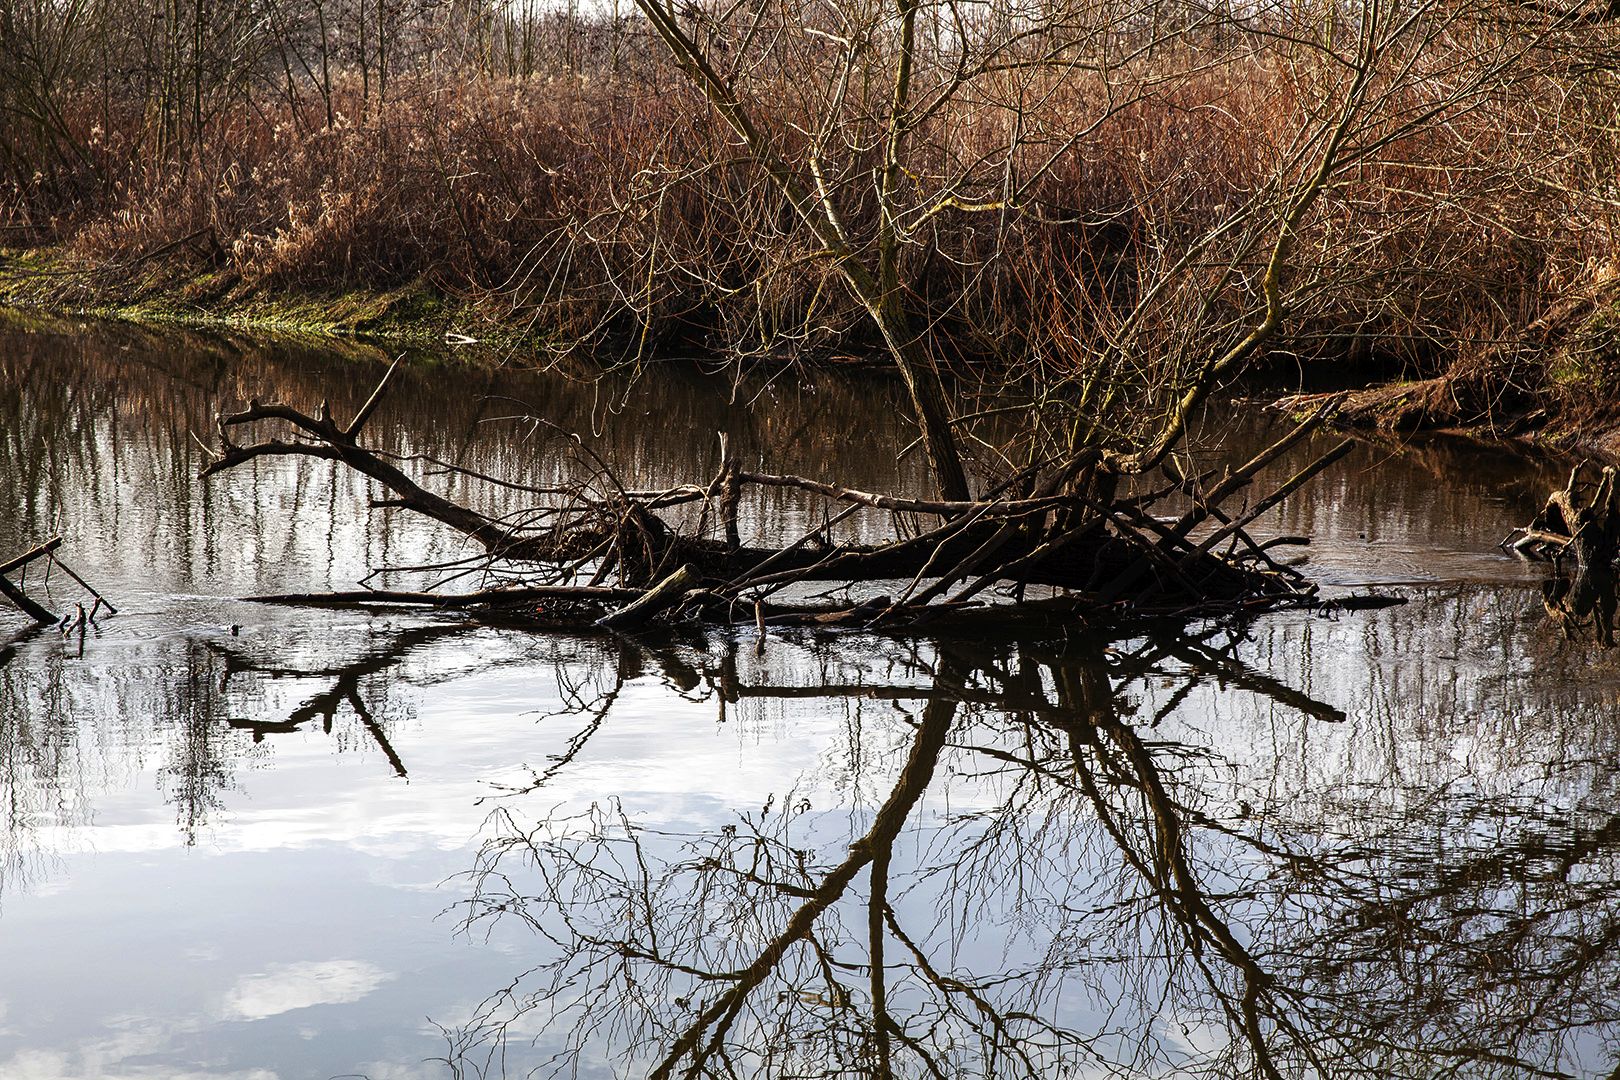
[[915, 140]]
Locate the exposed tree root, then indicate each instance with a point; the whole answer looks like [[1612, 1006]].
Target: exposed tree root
[[599, 553]]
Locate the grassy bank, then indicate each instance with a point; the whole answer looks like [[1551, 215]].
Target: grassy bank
[[414, 315]]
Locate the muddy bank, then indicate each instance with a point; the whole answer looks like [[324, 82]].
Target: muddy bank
[[1557, 383]]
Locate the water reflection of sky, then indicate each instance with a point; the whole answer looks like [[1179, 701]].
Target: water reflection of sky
[[192, 885]]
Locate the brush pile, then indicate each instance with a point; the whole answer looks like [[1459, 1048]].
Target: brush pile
[[1057, 545]]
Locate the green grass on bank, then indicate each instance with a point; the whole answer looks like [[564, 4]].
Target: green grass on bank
[[416, 315]]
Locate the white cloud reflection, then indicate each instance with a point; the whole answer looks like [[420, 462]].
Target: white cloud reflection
[[104, 1059], [285, 987]]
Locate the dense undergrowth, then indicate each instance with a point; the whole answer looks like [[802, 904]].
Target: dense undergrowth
[[589, 201]]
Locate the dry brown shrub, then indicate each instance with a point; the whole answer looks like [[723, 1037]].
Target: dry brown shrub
[[606, 206]]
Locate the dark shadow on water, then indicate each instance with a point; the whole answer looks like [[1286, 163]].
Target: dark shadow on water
[[1582, 606]]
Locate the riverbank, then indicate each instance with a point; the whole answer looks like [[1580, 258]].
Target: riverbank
[[1118, 221], [416, 314], [1557, 383]]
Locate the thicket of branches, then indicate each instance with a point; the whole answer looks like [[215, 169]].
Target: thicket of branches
[[1091, 187]]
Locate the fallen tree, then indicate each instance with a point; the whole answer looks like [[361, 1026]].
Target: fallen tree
[[1072, 541], [912, 129]]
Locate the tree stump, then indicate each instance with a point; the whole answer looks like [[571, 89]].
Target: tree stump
[[1578, 530]]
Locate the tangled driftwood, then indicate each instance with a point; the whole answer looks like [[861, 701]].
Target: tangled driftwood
[[599, 552], [1578, 531]]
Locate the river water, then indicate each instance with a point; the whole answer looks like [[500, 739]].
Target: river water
[[249, 842]]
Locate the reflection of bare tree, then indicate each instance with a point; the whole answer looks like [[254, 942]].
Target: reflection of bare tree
[[68, 728], [17, 758], [349, 683], [1045, 888], [591, 693], [88, 411]]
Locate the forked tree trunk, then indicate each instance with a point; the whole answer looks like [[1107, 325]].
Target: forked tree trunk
[[878, 292]]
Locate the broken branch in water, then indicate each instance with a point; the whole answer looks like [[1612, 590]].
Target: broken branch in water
[[508, 597], [33, 608], [29, 556], [29, 606]]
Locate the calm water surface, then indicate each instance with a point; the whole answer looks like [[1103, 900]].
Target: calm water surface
[[248, 842]]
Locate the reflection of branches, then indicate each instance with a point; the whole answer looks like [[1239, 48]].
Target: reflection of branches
[[872, 848], [348, 681], [722, 980], [587, 698], [1084, 900], [1165, 866], [8, 647]]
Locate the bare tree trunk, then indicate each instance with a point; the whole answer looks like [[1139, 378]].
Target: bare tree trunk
[[881, 298], [927, 396]]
